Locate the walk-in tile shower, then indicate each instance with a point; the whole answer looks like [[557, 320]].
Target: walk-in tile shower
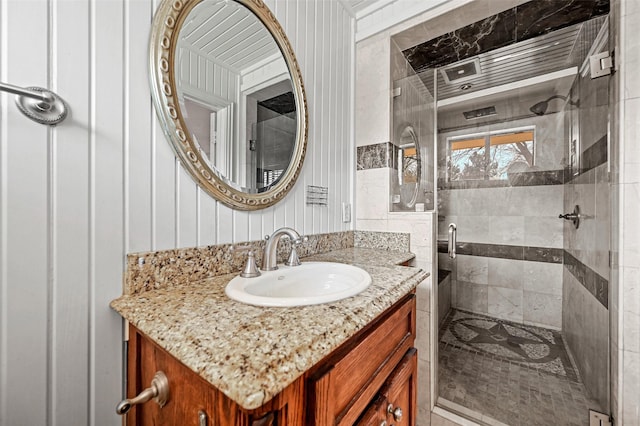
[[521, 129]]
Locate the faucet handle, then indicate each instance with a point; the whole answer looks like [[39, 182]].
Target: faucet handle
[[293, 259], [250, 268], [301, 240]]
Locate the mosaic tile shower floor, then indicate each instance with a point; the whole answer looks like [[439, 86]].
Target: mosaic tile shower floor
[[517, 374]]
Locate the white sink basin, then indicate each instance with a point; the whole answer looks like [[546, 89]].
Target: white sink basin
[[311, 283]]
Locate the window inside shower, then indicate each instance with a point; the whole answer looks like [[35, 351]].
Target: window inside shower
[[490, 155]]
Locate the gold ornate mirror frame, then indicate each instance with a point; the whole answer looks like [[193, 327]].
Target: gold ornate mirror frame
[[165, 31]]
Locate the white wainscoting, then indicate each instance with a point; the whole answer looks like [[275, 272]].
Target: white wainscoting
[[76, 198]]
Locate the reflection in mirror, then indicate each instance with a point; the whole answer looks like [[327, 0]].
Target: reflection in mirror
[[409, 167], [229, 94], [236, 95]]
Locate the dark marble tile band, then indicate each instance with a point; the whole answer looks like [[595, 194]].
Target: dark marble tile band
[[520, 23], [503, 251], [595, 155], [592, 157], [442, 275], [375, 156], [595, 284], [542, 254]]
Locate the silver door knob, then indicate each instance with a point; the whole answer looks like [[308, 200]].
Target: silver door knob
[[395, 412], [159, 391]]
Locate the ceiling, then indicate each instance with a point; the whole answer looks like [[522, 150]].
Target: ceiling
[[228, 33], [511, 77], [519, 23], [559, 50], [510, 104], [542, 55]]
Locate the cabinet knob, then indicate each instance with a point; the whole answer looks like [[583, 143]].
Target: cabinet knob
[[203, 420], [395, 412], [159, 391]]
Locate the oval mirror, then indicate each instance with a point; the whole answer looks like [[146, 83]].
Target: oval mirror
[[409, 167], [229, 94]]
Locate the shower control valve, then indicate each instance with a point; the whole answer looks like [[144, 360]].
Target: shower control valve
[[573, 217]]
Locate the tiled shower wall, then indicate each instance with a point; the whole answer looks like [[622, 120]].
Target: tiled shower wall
[[373, 178], [373, 118], [374, 158], [512, 267]]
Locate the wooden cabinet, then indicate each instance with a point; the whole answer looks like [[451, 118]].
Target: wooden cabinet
[[192, 400], [400, 392], [375, 414], [395, 404], [349, 379], [356, 383]]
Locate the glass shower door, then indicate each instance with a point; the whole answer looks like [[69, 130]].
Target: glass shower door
[[524, 335]]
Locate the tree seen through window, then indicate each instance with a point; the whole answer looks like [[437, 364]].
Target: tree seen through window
[[490, 156]]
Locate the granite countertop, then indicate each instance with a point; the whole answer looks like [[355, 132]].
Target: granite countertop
[[253, 353], [363, 256]]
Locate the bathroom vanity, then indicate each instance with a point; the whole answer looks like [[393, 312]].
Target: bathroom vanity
[[227, 363], [372, 370]]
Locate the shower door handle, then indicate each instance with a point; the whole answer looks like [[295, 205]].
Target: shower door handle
[[453, 239]]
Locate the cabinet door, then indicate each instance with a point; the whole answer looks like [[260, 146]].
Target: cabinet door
[[400, 391], [193, 401], [190, 397], [376, 414], [341, 391]]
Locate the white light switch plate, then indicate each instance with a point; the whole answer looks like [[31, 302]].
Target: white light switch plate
[[346, 212]]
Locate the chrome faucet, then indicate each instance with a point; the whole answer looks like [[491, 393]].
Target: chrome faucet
[[270, 258]]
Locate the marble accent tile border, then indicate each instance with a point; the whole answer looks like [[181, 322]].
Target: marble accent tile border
[[503, 251], [595, 155], [375, 156], [170, 268], [597, 285], [442, 275], [592, 157], [504, 28], [390, 241]]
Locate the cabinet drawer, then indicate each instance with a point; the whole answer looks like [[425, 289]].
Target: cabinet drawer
[[342, 391]]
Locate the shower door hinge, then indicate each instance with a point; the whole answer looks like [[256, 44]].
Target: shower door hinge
[[600, 64], [599, 419]]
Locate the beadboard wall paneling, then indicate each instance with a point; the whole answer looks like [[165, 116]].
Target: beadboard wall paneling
[[74, 199], [200, 74], [26, 150]]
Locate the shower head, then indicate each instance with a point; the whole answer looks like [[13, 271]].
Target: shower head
[[541, 107]]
